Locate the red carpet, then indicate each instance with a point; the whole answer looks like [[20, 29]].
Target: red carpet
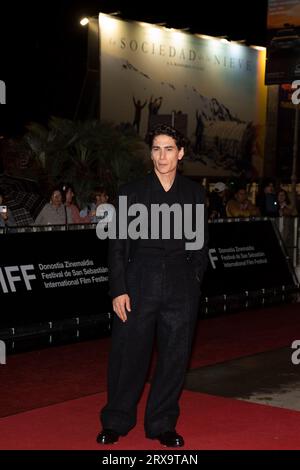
[[231, 336], [41, 378], [207, 422]]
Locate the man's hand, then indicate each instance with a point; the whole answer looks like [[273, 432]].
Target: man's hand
[[120, 305]]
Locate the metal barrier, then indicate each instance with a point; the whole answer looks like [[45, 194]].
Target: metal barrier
[[289, 229], [46, 228]]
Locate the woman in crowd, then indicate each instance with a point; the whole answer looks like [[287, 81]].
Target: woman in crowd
[[55, 212], [285, 208], [70, 202]]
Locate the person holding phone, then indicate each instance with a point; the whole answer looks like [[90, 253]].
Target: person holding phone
[[6, 217]]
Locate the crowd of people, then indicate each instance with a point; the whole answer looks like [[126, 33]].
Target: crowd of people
[[223, 201], [61, 208]]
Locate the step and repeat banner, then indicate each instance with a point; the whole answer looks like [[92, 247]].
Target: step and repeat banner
[[245, 256], [48, 276]]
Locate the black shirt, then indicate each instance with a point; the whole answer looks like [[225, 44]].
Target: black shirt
[[162, 247]]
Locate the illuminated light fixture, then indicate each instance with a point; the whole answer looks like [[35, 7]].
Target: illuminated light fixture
[[178, 36], [204, 36], [84, 21], [224, 39], [155, 33], [107, 22], [115, 13], [258, 48]]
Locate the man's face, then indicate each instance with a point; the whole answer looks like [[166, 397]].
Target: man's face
[[241, 196], [269, 189], [56, 198], [165, 154]]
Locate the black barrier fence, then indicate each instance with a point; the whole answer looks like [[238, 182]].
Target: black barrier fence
[[249, 266], [54, 279]]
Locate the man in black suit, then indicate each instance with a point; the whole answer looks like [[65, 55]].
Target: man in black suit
[[155, 285]]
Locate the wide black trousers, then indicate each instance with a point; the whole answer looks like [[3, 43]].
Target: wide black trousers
[[164, 294]]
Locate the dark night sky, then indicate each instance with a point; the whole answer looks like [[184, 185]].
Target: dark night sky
[[43, 47]]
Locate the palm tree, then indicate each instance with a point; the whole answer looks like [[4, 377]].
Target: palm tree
[[86, 154]]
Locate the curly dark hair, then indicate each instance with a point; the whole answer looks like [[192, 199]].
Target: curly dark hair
[[164, 129]]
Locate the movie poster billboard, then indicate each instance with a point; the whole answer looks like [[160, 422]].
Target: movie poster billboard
[[211, 89], [282, 13], [283, 51]]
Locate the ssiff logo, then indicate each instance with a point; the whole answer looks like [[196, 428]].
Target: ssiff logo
[[2, 92], [296, 94]]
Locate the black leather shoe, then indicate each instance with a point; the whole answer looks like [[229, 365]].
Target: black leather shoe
[[107, 436], [170, 439]]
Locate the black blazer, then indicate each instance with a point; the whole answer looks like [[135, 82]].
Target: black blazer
[[120, 251]]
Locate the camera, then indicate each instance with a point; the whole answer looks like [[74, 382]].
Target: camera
[[3, 209]]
